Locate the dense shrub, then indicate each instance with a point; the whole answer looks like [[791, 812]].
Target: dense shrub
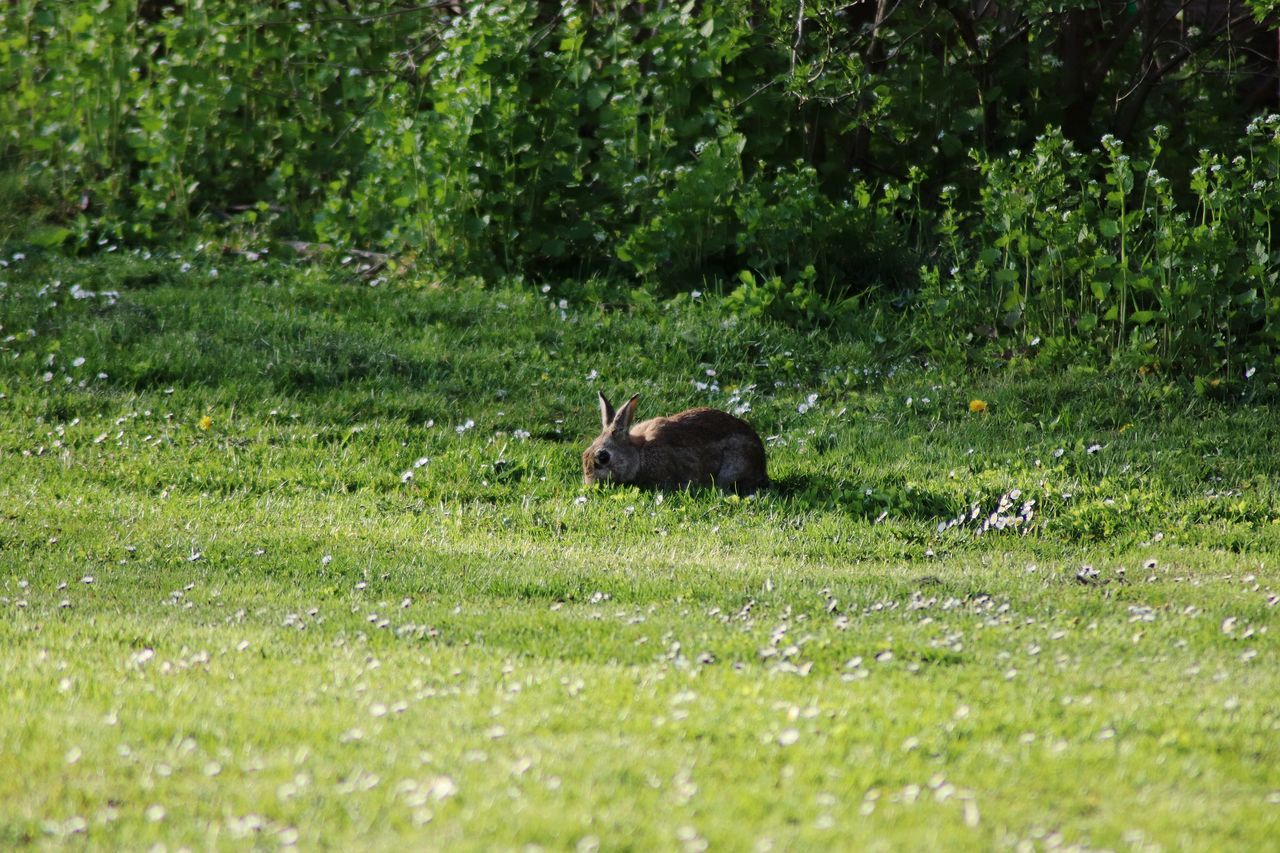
[[1096, 248], [799, 155]]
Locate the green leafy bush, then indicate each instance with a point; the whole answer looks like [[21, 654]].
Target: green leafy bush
[[801, 156], [1053, 254]]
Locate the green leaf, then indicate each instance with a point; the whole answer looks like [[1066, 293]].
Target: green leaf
[[1108, 227], [596, 95], [707, 28], [49, 236], [703, 68]]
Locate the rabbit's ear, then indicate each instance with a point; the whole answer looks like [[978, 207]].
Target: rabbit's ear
[[606, 411], [622, 422]]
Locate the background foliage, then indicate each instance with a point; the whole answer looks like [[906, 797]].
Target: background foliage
[[1063, 178]]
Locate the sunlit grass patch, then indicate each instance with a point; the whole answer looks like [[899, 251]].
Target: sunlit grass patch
[[288, 559]]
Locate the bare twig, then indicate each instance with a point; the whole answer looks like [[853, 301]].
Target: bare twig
[[795, 46]]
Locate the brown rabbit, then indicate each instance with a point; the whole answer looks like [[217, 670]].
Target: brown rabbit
[[693, 447]]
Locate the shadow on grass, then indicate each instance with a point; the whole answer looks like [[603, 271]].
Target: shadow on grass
[[797, 485], [868, 499]]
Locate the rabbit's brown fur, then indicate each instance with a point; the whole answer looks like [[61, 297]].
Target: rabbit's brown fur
[[696, 446]]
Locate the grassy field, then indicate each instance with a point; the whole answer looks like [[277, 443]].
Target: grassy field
[[289, 559]]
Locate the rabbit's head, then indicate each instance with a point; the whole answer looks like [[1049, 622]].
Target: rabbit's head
[[612, 457]]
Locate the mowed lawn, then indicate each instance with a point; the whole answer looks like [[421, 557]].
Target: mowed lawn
[[287, 558]]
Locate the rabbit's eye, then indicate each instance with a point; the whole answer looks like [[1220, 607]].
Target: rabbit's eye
[[602, 457]]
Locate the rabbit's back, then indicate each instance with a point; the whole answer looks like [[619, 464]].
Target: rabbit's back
[[691, 428], [698, 445]]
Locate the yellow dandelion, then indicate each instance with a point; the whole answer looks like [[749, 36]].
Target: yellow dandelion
[[977, 406], [206, 422]]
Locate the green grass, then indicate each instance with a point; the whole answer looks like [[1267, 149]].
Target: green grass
[[262, 631]]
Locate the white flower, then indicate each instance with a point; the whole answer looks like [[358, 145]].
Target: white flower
[[441, 788]]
